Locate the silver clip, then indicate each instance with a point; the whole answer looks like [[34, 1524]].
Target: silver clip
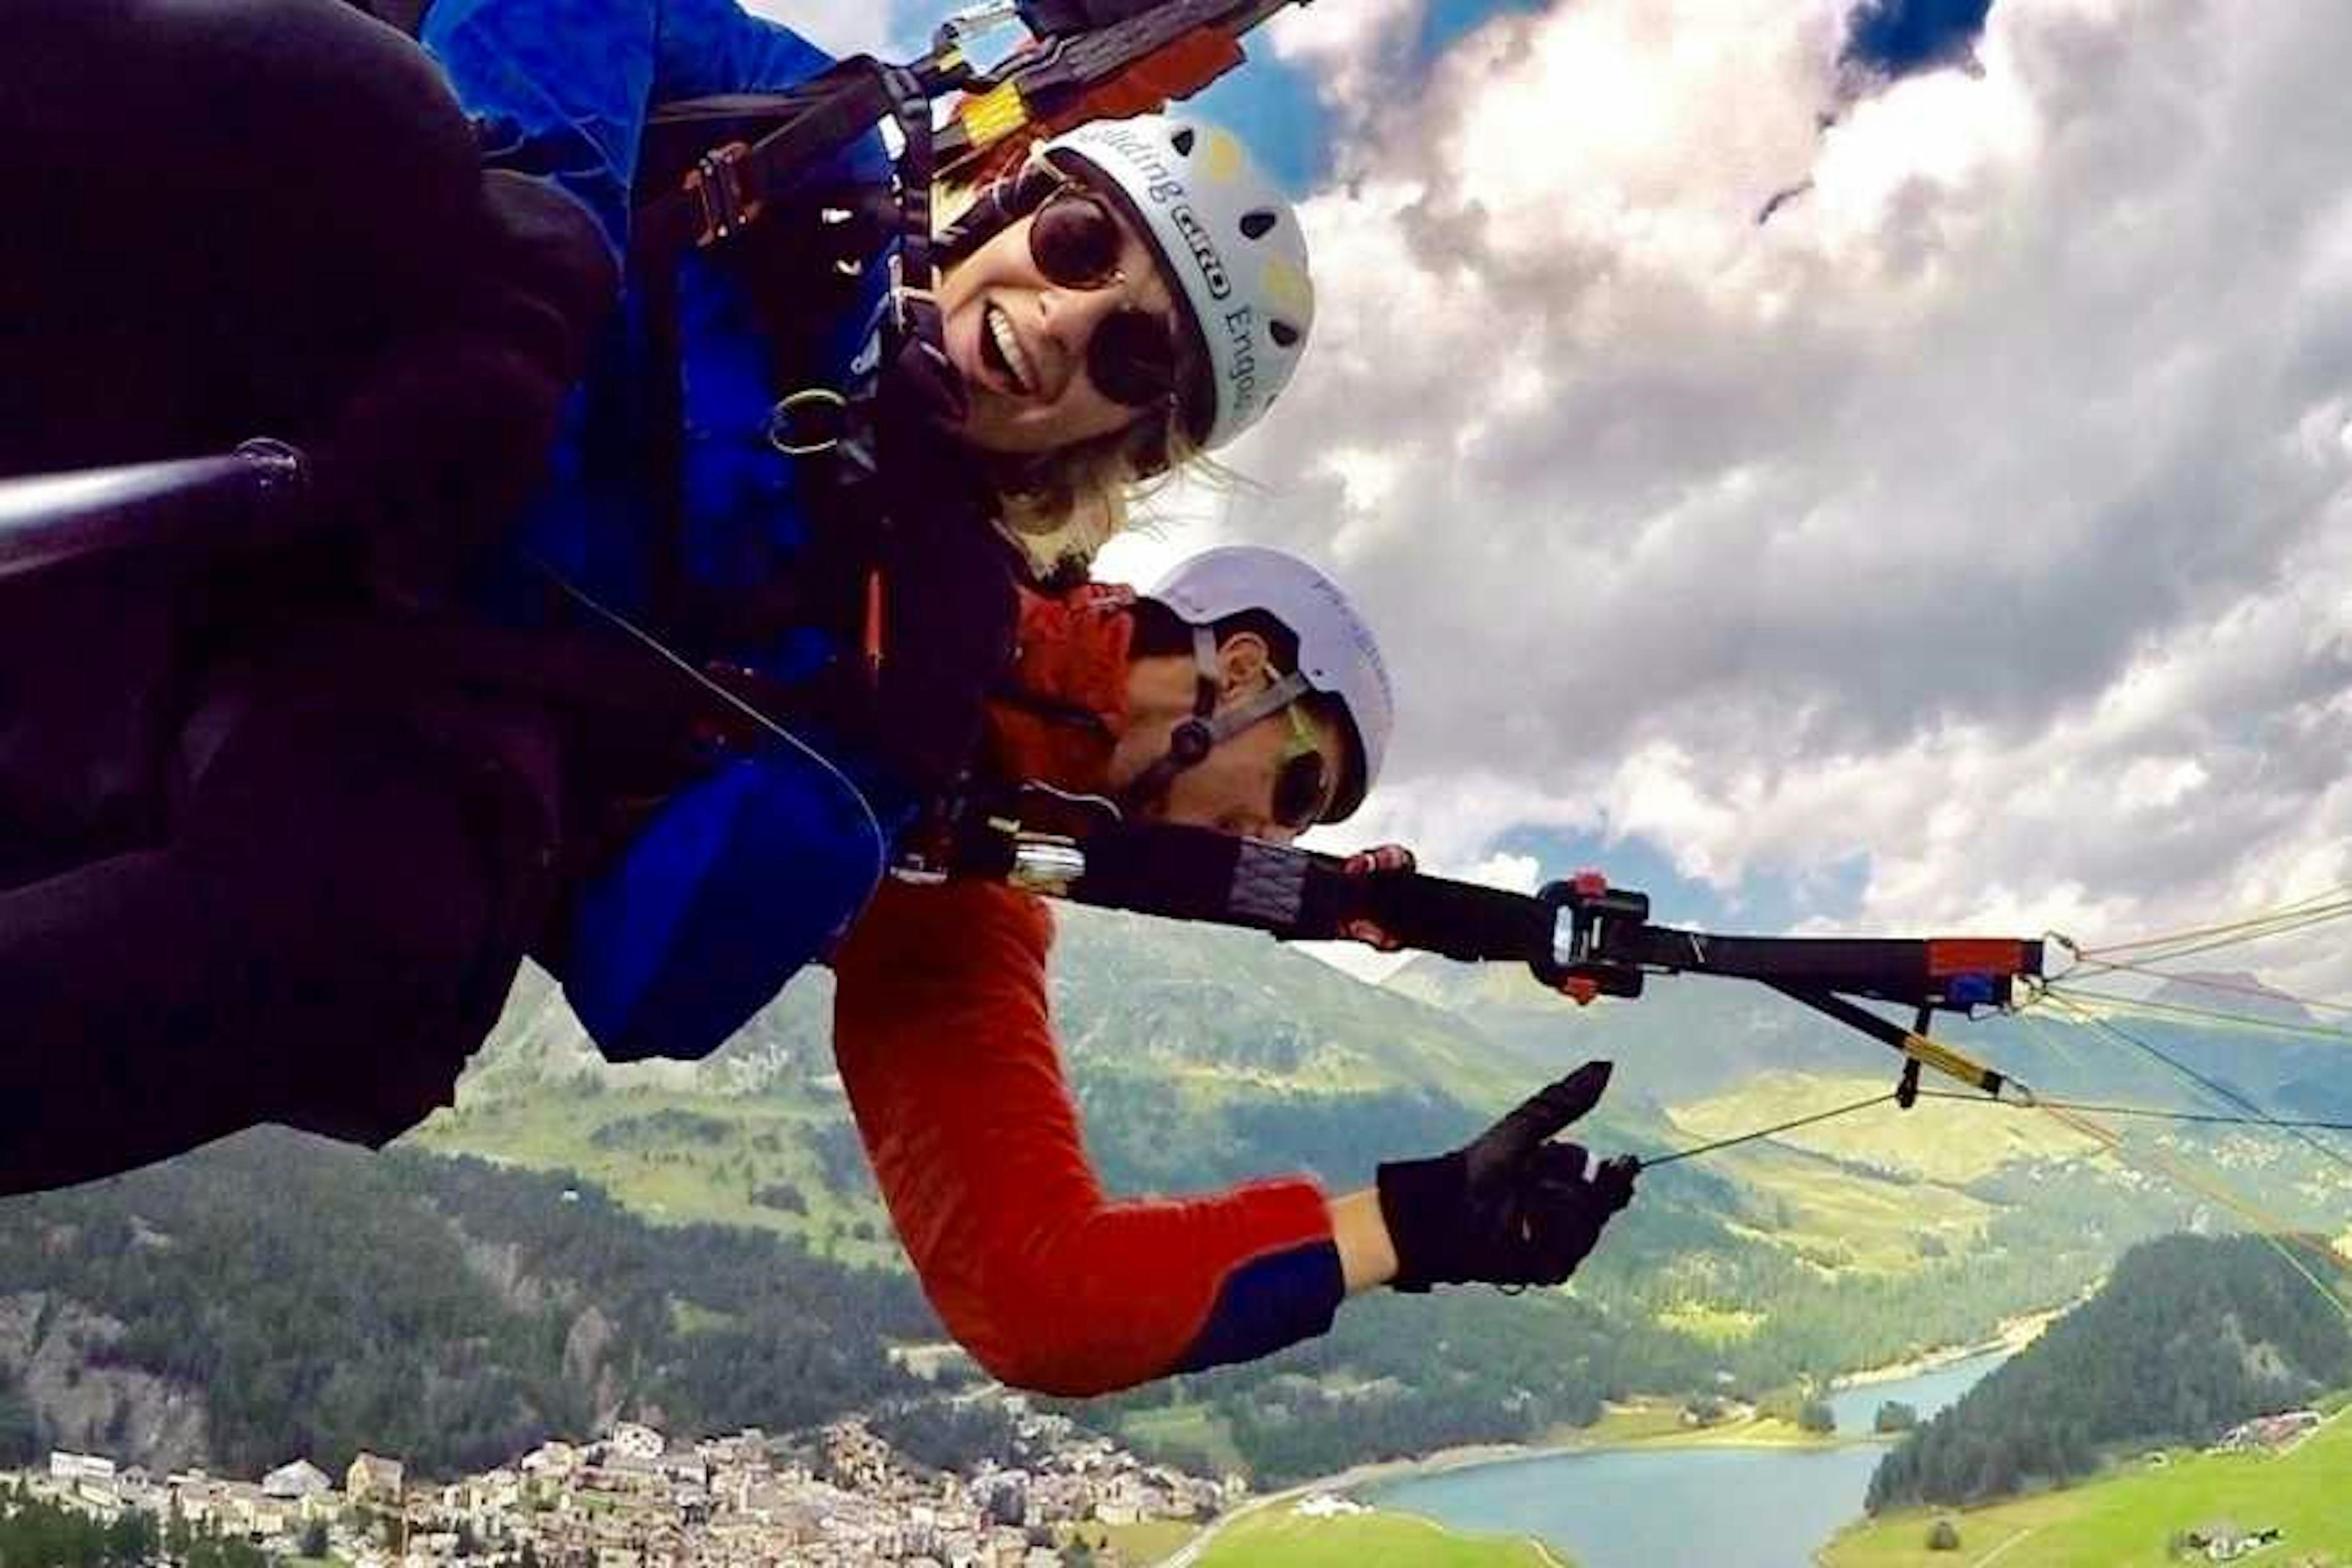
[[780, 418]]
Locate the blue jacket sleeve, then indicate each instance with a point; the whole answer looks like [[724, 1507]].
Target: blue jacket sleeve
[[565, 86], [1269, 1303], [736, 883]]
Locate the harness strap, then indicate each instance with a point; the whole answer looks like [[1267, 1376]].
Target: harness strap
[[1190, 742], [729, 186], [1197, 874]]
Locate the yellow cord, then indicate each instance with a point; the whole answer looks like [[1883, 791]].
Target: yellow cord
[[2175, 1010], [2331, 904]]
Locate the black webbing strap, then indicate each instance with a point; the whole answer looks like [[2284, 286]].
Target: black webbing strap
[[1054, 17], [727, 187], [1895, 969], [1197, 874], [907, 96]]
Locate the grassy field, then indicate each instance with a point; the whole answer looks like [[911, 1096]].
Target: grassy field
[[1838, 1217], [1714, 1325], [1635, 1421], [1139, 1545], [1284, 1538], [1188, 1427], [2125, 1519], [1659, 1422], [1841, 1216], [1933, 1142], [739, 1146]]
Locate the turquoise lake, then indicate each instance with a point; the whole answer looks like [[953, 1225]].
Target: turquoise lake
[[1681, 1508]]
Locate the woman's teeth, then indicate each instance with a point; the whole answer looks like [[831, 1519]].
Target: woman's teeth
[[1015, 357]]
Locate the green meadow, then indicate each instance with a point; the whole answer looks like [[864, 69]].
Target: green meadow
[[1284, 1538], [2127, 1517]]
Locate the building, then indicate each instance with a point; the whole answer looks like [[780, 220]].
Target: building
[[550, 1458], [2225, 1541], [69, 1466], [297, 1480], [374, 1481], [635, 1441]]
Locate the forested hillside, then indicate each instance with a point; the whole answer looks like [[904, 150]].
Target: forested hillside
[[2191, 1336], [276, 1295]]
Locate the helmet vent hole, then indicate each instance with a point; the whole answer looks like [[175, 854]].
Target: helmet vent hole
[[1256, 222], [1283, 333], [1182, 141]]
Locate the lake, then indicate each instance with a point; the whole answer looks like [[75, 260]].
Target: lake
[[1682, 1508]]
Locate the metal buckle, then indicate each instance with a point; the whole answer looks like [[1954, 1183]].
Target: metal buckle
[[787, 431], [718, 186]]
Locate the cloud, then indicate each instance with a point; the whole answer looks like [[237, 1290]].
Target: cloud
[[1980, 518], [1354, 46], [889, 29]]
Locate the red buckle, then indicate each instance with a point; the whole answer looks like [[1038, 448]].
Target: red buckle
[[1580, 989], [1590, 884]]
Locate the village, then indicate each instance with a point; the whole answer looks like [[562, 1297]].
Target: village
[[839, 1497]]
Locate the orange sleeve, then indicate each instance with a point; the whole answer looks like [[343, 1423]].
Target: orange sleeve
[[942, 1033]]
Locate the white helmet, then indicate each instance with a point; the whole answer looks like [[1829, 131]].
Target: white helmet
[[1226, 235], [1336, 653]]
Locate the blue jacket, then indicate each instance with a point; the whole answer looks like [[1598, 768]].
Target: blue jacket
[[755, 868]]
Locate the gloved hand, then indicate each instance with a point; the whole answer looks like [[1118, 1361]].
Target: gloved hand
[[1510, 1207], [1386, 857]]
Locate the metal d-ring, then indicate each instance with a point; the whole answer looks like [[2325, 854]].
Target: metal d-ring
[[785, 415]]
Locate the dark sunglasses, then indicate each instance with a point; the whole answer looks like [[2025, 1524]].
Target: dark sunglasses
[[1302, 789], [1132, 356]]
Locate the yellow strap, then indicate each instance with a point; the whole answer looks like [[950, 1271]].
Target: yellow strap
[[1951, 1063], [994, 115]]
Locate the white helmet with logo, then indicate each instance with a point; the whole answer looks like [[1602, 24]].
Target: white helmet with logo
[[1338, 656], [1229, 238]]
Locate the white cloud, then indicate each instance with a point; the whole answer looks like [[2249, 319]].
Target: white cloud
[[1520, 873], [1351, 47], [1987, 513], [839, 30]]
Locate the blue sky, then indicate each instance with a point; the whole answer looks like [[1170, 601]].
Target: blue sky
[[1763, 903], [1893, 38]]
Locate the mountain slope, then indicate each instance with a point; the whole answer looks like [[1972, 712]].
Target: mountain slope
[[274, 1295], [2191, 1335], [2139, 1516]]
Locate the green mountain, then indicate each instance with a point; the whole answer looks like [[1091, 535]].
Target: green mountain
[[1683, 1039], [2191, 1336], [2141, 1514], [275, 1295], [2234, 991]]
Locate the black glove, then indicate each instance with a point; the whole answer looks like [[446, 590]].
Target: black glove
[[1510, 1207]]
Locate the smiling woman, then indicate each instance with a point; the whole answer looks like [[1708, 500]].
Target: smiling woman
[[1137, 292]]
